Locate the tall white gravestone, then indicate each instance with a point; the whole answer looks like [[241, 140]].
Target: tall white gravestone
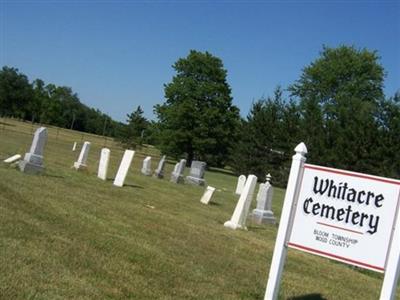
[[263, 213], [146, 168], [205, 199], [33, 160], [124, 167], [239, 216], [159, 172], [177, 174], [74, 147], [103, 164], [240, 184], [83, 155], [196, 174]]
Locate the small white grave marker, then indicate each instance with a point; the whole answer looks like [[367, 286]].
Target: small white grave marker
[[103, 164], [12, 159], [205, 199], [240, 184], [83, 155], [146, 168], [74, 147], [123, 168]]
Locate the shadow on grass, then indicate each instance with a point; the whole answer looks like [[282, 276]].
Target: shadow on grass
[[308, 297], [127, 185], [214, 203], [134, 186], [52, 175]]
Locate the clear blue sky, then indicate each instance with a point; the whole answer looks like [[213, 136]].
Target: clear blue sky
[[118, 54]]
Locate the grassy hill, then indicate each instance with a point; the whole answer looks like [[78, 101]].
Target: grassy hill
[[68, 235]]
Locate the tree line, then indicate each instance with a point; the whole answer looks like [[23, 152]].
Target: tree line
[[49, 104], [337, 107]]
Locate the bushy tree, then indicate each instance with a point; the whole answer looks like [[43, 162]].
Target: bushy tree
[[198, 119], [134, 132], [339, 95], [16, 93], [267, 138]]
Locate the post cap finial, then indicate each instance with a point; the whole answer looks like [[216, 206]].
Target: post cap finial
[[268, 177], [301, 149]]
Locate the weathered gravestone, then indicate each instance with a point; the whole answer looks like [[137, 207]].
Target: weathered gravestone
[[124, 167], [196, 175], [177, 174], [239, 216], [159, 172], [103, 164], [240, 184], [83, 155], [205, 199], [263, 213], [74, 147], [146, 168], [12, 159], [33, 160]]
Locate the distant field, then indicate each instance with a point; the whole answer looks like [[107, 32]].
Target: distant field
[[69, 235]]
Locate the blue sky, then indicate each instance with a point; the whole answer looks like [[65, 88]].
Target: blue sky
[[118, 54]]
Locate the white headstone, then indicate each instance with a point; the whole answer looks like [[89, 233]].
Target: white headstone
[[33, 160], [159, 172], [12, 159], [124, 167], [196, 174], [177, 174], [83, 155], [205, 199], [146, 168], [263, 213], [240, 184], [74, 147], [239, 216], [103, 164]]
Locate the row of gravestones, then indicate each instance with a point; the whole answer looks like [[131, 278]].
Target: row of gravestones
[[33, 163]]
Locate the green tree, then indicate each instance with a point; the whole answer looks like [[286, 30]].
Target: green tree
[[134, 132], [198, 119], [16, 93], [267, 138], [339, 95]]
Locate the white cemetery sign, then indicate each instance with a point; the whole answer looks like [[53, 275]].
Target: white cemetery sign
[[239, 216], [103, 164], [240, 184], [205, 199], [124, 167], [345, 216]]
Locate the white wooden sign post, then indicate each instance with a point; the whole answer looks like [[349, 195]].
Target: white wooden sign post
[[345, 216]]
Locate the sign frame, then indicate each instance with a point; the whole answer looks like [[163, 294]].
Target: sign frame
[[392, 259]]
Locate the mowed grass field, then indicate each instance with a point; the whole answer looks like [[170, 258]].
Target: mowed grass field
[[68, 235]]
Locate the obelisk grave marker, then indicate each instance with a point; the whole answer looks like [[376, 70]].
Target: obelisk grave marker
[[33, 160]]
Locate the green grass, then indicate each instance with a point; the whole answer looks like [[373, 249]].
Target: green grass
[[68, 235]]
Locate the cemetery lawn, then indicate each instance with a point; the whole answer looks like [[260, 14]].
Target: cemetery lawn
[[68, 235]]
